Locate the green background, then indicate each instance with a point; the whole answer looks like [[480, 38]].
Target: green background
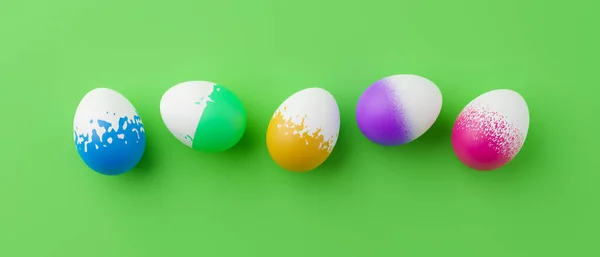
[[366, 200]]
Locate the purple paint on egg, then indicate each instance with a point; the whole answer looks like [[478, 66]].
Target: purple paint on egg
[[380, 115], [398, 109]]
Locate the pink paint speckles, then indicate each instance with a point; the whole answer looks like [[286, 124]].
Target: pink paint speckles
[[485, 139]]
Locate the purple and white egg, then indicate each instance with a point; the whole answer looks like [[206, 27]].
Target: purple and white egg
[[398, 109]]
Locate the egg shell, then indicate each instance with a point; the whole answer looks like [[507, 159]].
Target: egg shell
[[398, 109], [304, 130], [108, 132], [204, 115], [490, 131]]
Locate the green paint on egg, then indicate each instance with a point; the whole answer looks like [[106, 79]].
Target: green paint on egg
[[223, 121]]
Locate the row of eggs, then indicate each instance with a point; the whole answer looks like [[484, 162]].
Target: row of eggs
[[488, 133]]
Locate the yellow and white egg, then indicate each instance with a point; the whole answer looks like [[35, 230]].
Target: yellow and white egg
[[304, 130]]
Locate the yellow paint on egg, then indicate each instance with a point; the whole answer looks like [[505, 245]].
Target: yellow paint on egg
[[303, 130]]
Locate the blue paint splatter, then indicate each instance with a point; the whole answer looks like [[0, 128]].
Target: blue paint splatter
[[118, 151]]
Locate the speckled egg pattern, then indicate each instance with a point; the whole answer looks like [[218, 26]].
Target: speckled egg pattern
[[485, 124], [490, 131]]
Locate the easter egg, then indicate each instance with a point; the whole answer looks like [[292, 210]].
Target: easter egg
[[203, 115], [490, 131], [398, 109], [304, 130], [108, 132]]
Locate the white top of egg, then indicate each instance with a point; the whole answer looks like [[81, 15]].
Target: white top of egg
[[102, 104], [419, 98], [319, 109], [182, 106], [506, 102]]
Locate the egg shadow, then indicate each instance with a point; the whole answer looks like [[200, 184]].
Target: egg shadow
[[528, 160], [334, 163], [254, 138], [144, 166], [427, 154], [439, 136], [249, 140], [241, 156], [142, 175]]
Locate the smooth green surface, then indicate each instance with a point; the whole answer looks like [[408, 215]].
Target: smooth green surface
[[223, 122], [366, 200]]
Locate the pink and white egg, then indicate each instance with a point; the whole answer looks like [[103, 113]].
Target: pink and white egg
[[490, 131]]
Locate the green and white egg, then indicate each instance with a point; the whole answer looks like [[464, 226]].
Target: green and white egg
[[204, 115]]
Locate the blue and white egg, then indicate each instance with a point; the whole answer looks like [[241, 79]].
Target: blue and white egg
[[108, 132]]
